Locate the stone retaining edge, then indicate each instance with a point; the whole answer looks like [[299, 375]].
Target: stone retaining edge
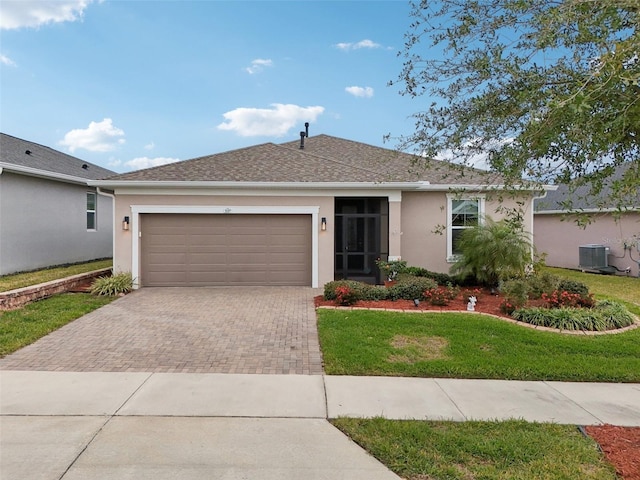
[[13, 299]]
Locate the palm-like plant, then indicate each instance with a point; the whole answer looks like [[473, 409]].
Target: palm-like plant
[[494, 251]]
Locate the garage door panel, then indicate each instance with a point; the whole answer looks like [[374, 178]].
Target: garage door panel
[[200, 250]]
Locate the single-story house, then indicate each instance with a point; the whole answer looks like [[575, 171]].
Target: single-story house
[[610, 243], [48, 214], [296, 213]]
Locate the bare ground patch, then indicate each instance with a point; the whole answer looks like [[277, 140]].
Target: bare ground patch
[[418, 349]]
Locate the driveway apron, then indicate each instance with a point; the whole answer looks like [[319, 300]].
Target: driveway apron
[[265, 330]]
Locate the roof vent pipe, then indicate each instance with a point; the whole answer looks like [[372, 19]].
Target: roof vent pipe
[[306, 129], [302, 135], [27, 152]]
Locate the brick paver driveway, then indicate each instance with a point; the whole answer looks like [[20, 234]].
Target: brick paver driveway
[[196, 330]]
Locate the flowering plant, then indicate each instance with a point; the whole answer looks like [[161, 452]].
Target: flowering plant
[[507, 307], [345, 295], [441, 295], [391, 269], [562, 298], [471, 292]]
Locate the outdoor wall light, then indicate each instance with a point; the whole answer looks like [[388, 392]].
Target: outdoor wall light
[[125, 223], [323, 224]]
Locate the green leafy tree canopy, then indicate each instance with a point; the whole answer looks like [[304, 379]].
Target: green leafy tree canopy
[[548, 90]]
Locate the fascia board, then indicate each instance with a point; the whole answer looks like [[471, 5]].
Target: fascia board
[[35, 172], [588, 210], [115, 184]]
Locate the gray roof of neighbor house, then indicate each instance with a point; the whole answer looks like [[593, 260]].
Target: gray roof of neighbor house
[[28, 156], [323, 159], [553, 201]]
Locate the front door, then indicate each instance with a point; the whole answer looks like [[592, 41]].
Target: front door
[[361, 226]]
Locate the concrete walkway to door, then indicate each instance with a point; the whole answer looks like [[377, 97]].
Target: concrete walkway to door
[[259, 330]]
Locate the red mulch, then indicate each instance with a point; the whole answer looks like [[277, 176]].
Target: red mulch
[[621, 445], [487, 303]]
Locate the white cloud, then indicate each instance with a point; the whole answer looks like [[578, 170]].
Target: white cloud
[[98, 137], [277, 121], [7, 61], [469, 154], [33, 13], [365, 92], [150, 146], [146, 162], [358, 45], [258, 65]]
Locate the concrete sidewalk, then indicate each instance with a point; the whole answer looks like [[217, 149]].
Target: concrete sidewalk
[[78, 425]]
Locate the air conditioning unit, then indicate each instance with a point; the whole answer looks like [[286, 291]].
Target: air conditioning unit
[[593, 257]]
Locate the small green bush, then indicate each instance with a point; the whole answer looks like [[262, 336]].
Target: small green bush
[[377, 292], [573, 286], [605, 315], [441, 295], [544, 282], [439, 278], [118, 284], [359, 289], [516, 292], [409, 287]]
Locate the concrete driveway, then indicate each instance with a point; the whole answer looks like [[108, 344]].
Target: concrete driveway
[[262, 330]]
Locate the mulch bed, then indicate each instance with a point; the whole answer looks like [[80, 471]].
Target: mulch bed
[[621, 445]]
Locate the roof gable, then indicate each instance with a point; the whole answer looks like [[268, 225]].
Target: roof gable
[[14, 150]]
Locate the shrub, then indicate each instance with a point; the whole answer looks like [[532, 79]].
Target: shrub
[[410, 288], [573, 286], [441, 295], [562, 298], [604, 316], [516, 292], [345, 295], [544, 282], [118, 284], [439, 278], [471, 292], [359, 289], [492, 252], [376, 292]]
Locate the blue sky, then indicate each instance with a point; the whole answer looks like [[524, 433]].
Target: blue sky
[[131, 84]]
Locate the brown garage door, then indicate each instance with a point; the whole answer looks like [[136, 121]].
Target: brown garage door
[[209, 250]]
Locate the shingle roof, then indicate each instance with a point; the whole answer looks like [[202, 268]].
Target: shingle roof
[[13, 151], [580, 200], [323, 159]]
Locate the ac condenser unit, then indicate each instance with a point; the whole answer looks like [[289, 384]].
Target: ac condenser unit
[[593, 257]]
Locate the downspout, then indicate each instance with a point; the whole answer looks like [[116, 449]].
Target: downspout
[[113, 223]]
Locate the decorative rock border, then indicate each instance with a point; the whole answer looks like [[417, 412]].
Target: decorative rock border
[[21, 296], [510, 320]]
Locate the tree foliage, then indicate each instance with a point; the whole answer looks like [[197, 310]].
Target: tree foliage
[[548, 90]]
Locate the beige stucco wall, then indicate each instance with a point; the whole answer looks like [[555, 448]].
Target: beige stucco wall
[[124, 203], [560, 239], [413, 217], [424, 242]]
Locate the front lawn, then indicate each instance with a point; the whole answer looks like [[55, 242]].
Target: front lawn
[[21, 327], [615, 287], [459, 345], [26, 279], [420, 450]]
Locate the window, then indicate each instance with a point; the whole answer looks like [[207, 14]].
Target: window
[[91, 210], [463, 213]]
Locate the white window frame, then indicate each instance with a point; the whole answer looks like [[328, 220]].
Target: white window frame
[[480, 198], [94, 211]]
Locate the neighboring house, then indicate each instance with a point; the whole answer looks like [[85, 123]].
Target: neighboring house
[[558, 235], [48, 214], [286, 215]]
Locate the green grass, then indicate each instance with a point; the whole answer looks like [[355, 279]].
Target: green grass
[[21, 327], [514, 450], [615, 287], [359, 342], [26, 279]]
